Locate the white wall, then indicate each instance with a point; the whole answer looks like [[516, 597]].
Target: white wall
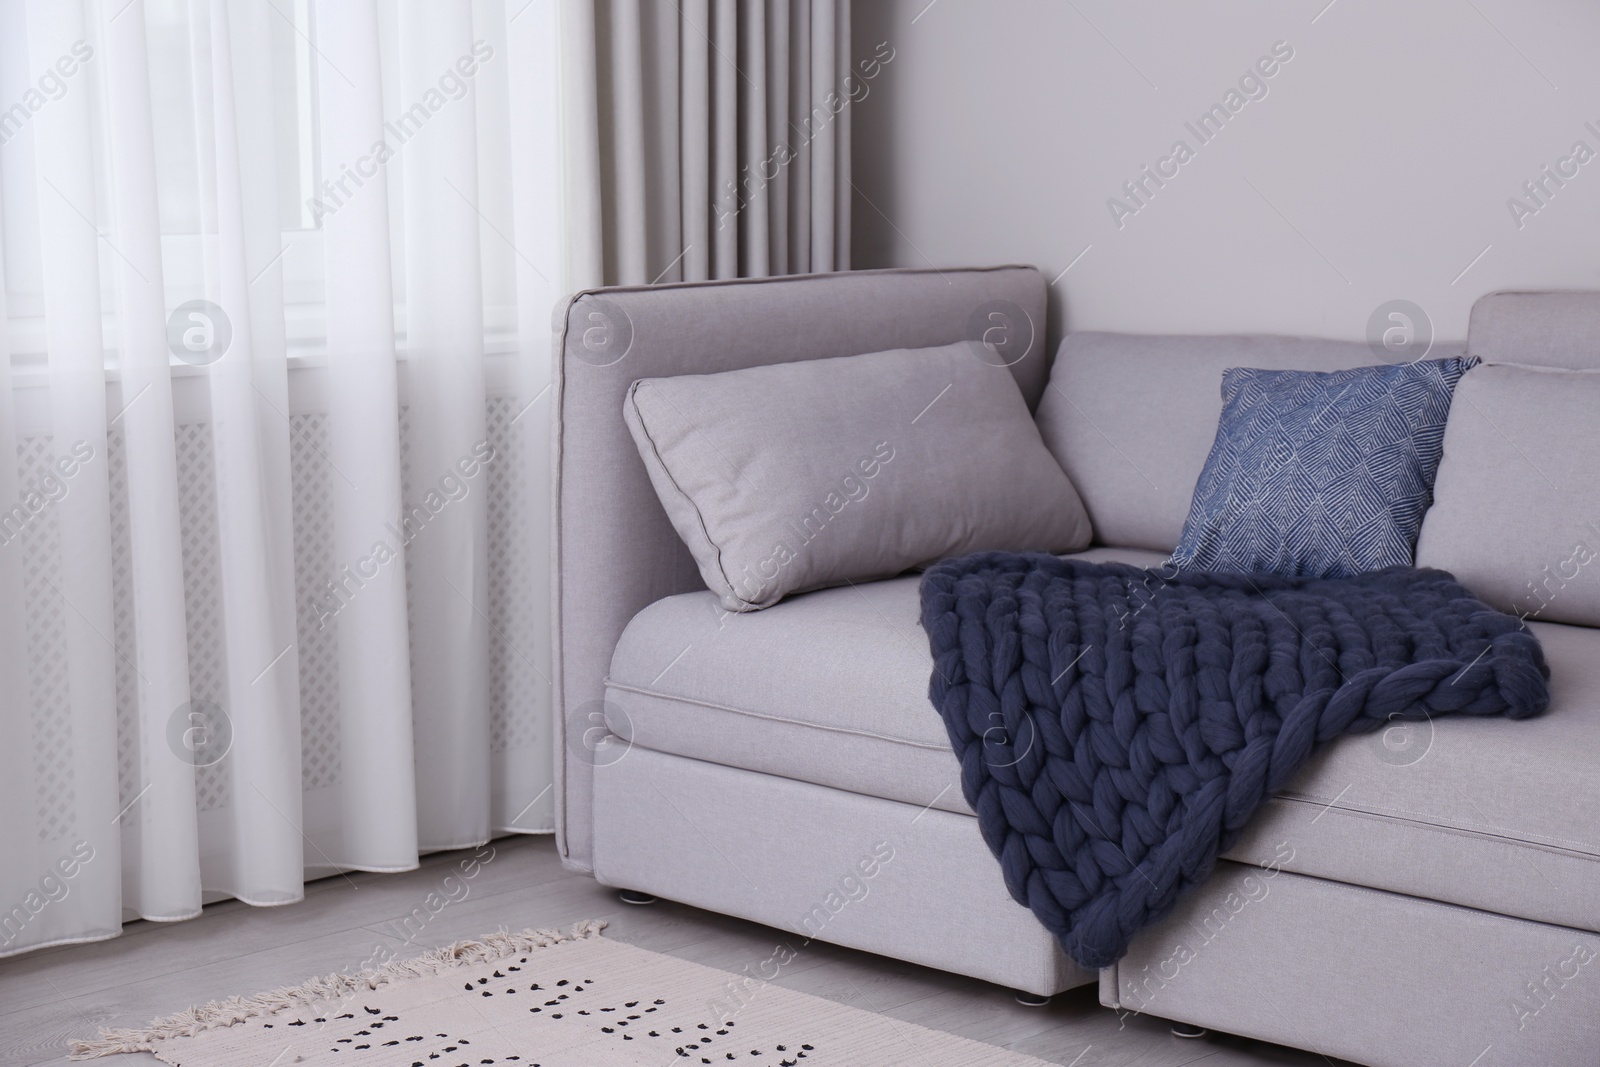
[[1377, 166]]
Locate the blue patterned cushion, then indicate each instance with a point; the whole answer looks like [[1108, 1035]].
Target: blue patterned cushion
[[1320, 474]]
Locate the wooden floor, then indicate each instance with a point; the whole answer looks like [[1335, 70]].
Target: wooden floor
[[49, 997]]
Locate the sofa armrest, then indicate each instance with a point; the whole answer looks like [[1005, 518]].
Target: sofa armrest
[[614, 550]]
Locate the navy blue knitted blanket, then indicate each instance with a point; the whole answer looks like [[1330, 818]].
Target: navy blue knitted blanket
[[1118, 727]]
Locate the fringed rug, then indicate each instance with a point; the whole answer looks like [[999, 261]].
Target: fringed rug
[[540, 998]]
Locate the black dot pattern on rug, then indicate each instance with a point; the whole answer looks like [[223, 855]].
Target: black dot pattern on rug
[[682, 1033]]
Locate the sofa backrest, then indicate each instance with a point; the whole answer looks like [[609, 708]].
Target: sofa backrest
[[1131, 418], [1554, 328], [615, 551], [1516, 512]]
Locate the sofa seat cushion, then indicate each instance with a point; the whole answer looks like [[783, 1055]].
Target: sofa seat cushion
[[1488, 813], [829, 687]]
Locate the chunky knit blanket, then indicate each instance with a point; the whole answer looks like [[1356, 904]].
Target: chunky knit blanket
[[1118, 727]]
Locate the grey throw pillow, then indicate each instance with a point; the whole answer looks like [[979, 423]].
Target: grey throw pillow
[[1516, 506], [798, 476]]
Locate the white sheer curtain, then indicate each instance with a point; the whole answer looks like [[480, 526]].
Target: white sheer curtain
[[277, 280]]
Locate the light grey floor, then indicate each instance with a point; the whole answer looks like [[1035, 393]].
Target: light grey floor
[[48, 997]]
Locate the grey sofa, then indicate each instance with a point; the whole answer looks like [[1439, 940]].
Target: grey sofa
[[1428, 895]]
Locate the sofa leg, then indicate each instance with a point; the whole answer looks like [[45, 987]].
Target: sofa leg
[[633, 896], [1029, 1000], [1188, 1031]]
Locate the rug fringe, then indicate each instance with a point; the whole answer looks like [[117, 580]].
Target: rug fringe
[[233, 1010]]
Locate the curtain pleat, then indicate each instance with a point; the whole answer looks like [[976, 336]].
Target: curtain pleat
[[824, 46], [585, 127], [843, 187], [161, 863], [370, 818], [626, 174], [523, 796], [64, 162], [27, 850], [663, 224], [253, 848], [726, 86], [755, 236], [772, 184], [694, 150], [444, 334], [800, 133], [732, 136]]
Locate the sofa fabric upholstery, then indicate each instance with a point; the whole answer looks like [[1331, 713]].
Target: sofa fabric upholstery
[[831, 688], [777, 851], [1516, 513], [1376, 978], [803, 475], [1551, 329], [1486, 813], [1132, 418], [614, 549]]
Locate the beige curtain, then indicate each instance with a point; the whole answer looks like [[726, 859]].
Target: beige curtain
[[724, 137]]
